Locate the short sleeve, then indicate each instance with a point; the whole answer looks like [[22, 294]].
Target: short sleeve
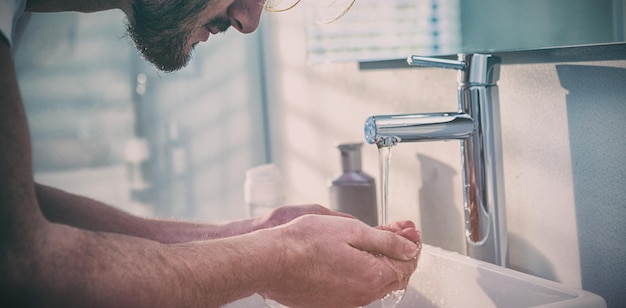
[[10, 12]]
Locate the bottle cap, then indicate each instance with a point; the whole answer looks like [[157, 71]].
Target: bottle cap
[[264, 185]]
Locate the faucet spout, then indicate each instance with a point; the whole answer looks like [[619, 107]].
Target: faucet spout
[[476, 125], [419, 127]]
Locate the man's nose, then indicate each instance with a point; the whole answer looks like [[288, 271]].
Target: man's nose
[[244, 15]]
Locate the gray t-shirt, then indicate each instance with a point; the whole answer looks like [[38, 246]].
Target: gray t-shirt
[[10, 13]]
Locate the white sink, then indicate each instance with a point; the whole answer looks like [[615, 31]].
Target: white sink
[[447, 279]]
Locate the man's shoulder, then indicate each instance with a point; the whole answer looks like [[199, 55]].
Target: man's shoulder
[[10, 12]]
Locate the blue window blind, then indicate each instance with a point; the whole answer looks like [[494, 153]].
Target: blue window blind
[[381, 30]]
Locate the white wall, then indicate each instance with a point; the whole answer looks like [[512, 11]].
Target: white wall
[[77, 75], [564, 167]]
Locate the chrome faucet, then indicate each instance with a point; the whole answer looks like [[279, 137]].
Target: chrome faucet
[[476, 124]]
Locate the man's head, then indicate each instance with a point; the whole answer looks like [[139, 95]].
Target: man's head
[[166, 31]]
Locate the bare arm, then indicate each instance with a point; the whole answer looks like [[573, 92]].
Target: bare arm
[[65, 266], [82, 212], [85, 213], [307, 261]]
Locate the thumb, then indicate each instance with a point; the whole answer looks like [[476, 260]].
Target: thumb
[[386, 243]]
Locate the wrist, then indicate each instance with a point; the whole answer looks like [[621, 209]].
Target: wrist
[[268, 259]]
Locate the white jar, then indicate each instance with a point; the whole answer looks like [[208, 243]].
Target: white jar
[[263, 189]]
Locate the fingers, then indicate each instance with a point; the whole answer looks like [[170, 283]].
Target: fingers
[[411, 234], [327, 211], [342, 214], [397, 226], [401, 271], [405, 229], [285, 214], [402, 224], [316, 209], [387, 243]]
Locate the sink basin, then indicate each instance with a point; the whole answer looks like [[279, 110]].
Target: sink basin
[[447, 279]]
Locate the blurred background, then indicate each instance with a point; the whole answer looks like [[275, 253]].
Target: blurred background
[[105, 123]]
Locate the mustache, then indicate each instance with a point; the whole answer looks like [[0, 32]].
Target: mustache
[[220, 23]]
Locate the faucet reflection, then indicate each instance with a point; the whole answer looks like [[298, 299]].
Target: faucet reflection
[[476, 125]]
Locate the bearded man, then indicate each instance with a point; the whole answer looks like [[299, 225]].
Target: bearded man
[[60, 249]]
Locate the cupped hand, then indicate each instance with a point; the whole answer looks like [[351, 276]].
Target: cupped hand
[[332, 261], [276, 217], [405, 228], [285, 214]]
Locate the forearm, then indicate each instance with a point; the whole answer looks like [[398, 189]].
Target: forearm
[[85, 213], [71, 267]]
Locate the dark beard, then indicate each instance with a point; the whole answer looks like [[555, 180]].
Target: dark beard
[[161, 30]]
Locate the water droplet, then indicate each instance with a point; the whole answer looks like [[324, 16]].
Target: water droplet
[[392, 299]]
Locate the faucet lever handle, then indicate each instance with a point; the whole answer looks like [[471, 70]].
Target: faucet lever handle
[[436, 62]]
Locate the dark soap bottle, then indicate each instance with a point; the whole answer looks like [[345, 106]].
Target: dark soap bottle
[[353, 191]]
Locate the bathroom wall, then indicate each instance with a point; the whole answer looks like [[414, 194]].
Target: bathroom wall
[[88, 92], [563, 118]]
